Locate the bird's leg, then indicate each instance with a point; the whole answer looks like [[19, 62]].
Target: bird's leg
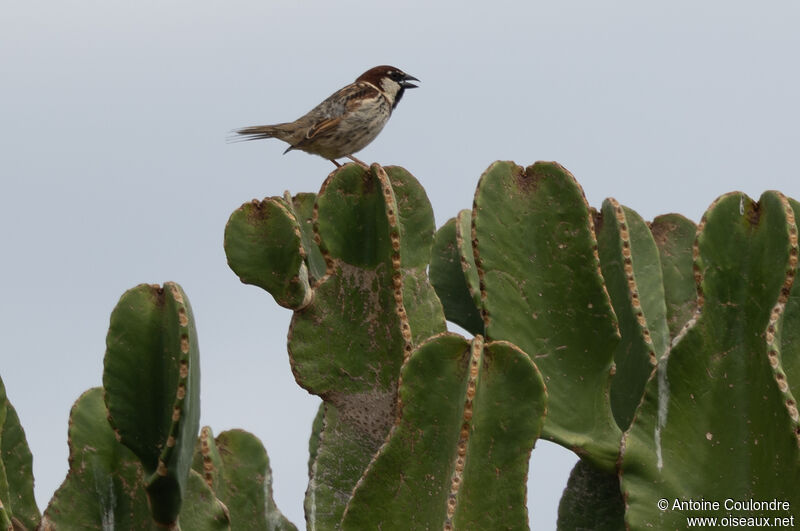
[[335, 163], [360, 163]]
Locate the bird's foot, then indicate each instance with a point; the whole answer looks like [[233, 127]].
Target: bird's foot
[[360, 163]]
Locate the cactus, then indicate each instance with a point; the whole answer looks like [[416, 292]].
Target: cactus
[[103, 488], [591, 500], [790, 335], [674, 236], [454, 275], [355, 326], [267, 248], [633, 275], [152, 388], [631, 269], [471, 413], [131, 442], [17, 504], [669, 358], [545, 294], [545, 281], [116, 435], [106, 484], [236, 467], [719, 420]]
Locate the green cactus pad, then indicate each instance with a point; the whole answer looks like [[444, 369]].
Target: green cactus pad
[[350, 339], [592, 500], [453, 273], [458, 457], [16, 468], [352, 218], [363, 220], [542, 290], [344, 452], [374, 229], [104, 486], [236, 468], [674, 235], [718, 421], [152, 388], [202, 511], [632, 271], [264, 246]]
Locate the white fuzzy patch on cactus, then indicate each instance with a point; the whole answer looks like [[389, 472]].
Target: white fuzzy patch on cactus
[[663, 404]]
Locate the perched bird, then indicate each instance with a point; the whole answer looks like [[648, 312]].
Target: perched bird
[[347, 121]]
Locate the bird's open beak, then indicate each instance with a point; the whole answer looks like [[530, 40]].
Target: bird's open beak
[[405, 83]]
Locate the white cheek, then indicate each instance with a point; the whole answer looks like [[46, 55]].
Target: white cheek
[[390, 87]]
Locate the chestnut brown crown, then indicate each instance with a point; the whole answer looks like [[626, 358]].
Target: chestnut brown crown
[[390, 79]]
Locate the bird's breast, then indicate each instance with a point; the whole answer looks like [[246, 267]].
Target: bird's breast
[[370, 114], [361, 124]]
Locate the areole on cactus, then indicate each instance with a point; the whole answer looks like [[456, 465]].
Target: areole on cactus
[[666, 355]]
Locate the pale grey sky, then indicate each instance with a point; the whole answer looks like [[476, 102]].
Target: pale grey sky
[[114, 168]]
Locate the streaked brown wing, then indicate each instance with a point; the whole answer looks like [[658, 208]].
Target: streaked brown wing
[[319, 128], [357, 93], [342, 101], [331, 111]]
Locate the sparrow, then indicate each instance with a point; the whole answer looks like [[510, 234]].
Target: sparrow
[[347, 121]]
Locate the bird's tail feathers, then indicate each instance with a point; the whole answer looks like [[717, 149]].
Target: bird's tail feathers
[[257, 132]]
